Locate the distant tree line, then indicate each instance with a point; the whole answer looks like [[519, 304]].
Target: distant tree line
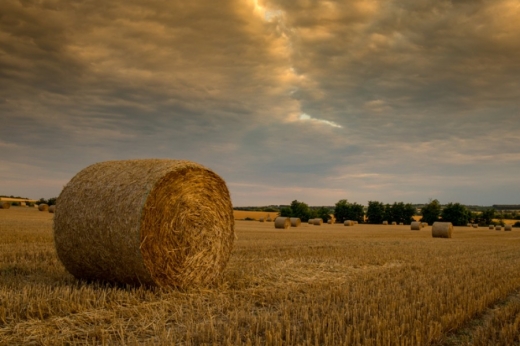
[[50, 201], [458, 214]]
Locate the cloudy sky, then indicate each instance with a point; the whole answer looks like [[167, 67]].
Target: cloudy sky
[[389, 100]]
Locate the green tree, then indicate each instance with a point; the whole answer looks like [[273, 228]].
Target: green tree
[[456, 213], [323, 213], [344, 210], [286, 212], [375, 212], [486, 217], [431, 212], [301, 210]]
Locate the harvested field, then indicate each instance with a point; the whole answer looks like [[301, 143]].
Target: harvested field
[[335, 285]]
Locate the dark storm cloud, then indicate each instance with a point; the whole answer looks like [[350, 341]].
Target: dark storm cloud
[[315, 100]]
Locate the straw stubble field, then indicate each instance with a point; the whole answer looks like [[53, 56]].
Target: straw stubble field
[[312, 285]]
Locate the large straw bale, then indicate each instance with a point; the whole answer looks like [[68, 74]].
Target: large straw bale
[[385, 222], [282, 222], [508, 228], [317, 222], [475, 225], [52, 209], [498, 228], [442, 229], [43, 207], [329, 221], [295, 221], [348, 223], [261, 219], [5, 205], [469, 225], [416, 226], [311, 221], [355, 222], [165, 223], [491, 227], [394, 223]]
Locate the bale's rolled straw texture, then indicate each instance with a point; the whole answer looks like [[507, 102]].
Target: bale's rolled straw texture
[[5, 205], [52, 209], [508, 228], [153, 222], [349, 223], [43, 207], [317, 222], [415, 226], [282, 222], [295, 222], [442, 229]]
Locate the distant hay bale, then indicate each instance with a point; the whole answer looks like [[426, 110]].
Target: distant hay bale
[[295, 222], [355, 222], [394, 223], [261, 219], [166, 223], [311, 222], [52, 209], [401, 223], [268, 219], [424, 224], [498, 228], [5, 205], [282, 222], [475, 225], [508, 228], [329, 221], [442, 229], [469, 225], [43, 207], [416, 226], [317, 222], [385, 222], [349, 223], [491, 227]]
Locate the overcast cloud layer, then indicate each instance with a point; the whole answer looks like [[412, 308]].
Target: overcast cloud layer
[[285, 99]]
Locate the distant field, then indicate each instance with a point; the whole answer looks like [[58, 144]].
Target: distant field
[[312, 285]]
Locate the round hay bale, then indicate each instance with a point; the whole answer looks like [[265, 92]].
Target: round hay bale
[[415, 226], [355, 222], [5, 205], [401, 223], [282, 222], [268, 219], [442, 229], [317, 222], [475, 225], [469, 225], [498, 228], [311, 221], [348, 223], [394, 223], [329, 221], [508, 228], [165, 223], [261, 219], [43, 207], [385, 222], [52, 209], [424, 224], [491, 227], [295, 221]]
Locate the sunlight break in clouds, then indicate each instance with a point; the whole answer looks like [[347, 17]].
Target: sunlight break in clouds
[[307, 117]]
